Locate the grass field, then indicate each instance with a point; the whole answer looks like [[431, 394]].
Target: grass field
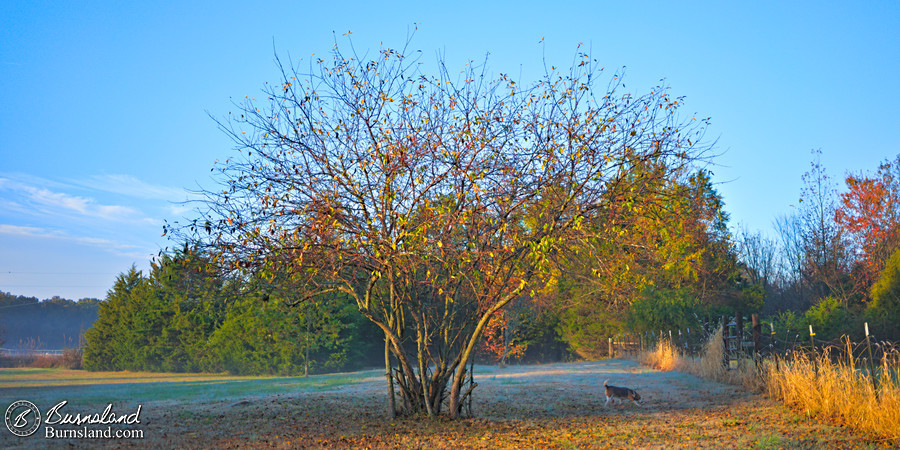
[[553, 406], [91, 388]]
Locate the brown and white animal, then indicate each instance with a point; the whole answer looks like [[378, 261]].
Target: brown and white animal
[[620, 392]]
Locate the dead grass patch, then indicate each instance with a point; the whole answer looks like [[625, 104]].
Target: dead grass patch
[[817, 385]]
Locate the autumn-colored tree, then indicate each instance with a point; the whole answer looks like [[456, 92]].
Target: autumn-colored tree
[[666, 230], [500, 341], [430, 200], [869, 214]]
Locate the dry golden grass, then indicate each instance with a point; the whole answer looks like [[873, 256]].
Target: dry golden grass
[[840, 391], [664, 356], [817, 385]]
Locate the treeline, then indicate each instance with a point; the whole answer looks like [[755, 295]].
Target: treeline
[[656, 263], [835, 260], [834, 265], [651, 269], [183, 317], [27, 323]]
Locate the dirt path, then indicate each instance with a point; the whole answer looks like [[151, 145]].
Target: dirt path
[[554, 405]]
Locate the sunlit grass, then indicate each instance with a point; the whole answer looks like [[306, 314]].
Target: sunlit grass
[[817, 386], [663, 356], [821, 387]]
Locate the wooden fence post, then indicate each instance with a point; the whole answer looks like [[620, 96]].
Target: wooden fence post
[[757, 329], [725, 333]]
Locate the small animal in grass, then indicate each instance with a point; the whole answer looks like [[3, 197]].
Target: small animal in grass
[[620, 392]]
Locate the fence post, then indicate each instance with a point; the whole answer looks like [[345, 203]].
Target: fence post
[[725, 333], [772, 347], [611, 355], [757, 328], [871, 362], [813, 343], [629, 343], [687, 343], [739, 321], [754, 318]]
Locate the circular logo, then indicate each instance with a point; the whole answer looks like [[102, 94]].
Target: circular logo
[[23, 418]]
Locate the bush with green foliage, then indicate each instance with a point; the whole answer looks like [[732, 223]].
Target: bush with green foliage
[[789, 326], [586, 330], [831, 319], [664, 309], [883, 312]]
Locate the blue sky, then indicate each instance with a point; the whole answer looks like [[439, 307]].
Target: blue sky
[[104, 121]]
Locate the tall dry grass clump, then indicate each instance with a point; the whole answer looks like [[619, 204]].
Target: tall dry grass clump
[[819, 385], [663, 356], [710, 364], [823, 387]]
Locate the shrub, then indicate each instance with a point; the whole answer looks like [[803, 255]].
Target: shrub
[[830, 319], [663, 309], [883, 311]]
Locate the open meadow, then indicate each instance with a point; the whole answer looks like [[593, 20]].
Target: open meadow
[[553, 405]]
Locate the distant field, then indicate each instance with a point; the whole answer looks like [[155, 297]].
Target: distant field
[[89, 388], [554, 405]]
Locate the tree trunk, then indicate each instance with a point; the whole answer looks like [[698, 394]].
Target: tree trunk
[[423, 371], [306, 357], [505, 348], [392, 409], [466, 354]]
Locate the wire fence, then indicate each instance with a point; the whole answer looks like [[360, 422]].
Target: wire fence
[[749, 338], [13, 352]]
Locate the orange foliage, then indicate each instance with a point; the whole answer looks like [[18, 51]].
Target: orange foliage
[[868, 213], [496, 343]]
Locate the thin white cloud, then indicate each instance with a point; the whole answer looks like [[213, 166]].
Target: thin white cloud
[[133, 187], [117, 248], [121, 184], [26, 197]]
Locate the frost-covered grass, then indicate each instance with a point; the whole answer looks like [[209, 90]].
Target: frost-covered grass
[[551, 405], [81, 387]]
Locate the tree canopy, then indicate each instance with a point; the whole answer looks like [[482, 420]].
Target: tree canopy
[[431, 200]]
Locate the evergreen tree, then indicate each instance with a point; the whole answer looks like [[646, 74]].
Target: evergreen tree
[[109, 344]]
